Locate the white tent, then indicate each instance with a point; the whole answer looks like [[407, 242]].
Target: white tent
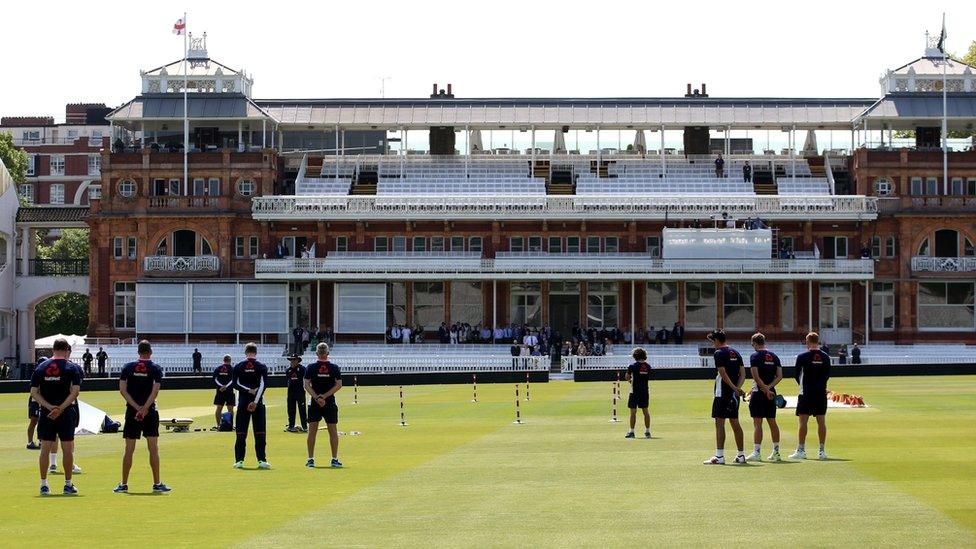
[[48, 342], [474, 143], [640, 142], [91, 419], [810, 143], [558, 142]]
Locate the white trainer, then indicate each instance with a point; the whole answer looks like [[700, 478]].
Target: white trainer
[[714, 460], [740, 459], [822, 456], [774, 457], [799, 454], [754, 456]]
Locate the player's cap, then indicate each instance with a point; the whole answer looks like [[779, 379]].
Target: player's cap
[[716, 335], [294, 356]]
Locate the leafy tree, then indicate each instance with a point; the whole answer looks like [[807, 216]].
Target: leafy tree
[[970, 57], [63, 313], [13, 158]]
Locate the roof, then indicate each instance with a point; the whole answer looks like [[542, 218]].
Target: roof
[[197, 67], [576, 112], [52, 214], [922, 105], [933, 66], [165, 106]]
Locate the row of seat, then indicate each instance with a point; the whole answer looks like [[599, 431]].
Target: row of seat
[[323, 186], [803, 185]]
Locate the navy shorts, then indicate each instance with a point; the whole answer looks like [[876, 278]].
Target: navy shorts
[[33, 409], [329, 412], [63, 427], [148, 427], [762, 407], [811, 405], [224, 398], [638, 400], [725, 407]]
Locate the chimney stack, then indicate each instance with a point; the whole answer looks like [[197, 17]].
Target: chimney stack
[[688, 93], [704, 93], [449, 89], [434, 91]]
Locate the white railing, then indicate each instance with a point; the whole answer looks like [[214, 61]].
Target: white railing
[[170, 263], [569, 364], [618, 205], [574, 266], [944, 264]]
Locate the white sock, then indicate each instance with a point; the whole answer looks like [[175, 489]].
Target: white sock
[[756, 448], [801, 448], [647, 429], [720, 453], [821, 447], [740, 454], [43, 482], [67, 483], [630, 431], [776, 447], [54, 460]]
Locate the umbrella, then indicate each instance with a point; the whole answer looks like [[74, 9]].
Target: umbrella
[[475, 141], [640, 142], [48, 342], [810, 144], [558, 142]]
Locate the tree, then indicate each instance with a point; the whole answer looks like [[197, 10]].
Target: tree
[[13, 158], [970, 57], [63, 313]]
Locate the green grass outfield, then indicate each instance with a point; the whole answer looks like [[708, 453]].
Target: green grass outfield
[[461, 474]]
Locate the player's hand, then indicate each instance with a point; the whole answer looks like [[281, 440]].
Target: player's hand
[[252, 406], [769, 393], [740, 392], [54, 413]]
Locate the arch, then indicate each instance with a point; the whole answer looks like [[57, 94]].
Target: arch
[[82, 189], [928, 231], [166, 233]]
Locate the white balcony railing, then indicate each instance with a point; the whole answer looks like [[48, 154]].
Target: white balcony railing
[[526, 266], [944, 264], [181, 264], [624, 206]]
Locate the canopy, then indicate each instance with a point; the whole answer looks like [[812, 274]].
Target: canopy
[[48, 342], [475, 143], [558, 142], [640, 142], [810, 144]]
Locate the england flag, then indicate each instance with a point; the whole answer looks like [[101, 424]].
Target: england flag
[[179, 27]]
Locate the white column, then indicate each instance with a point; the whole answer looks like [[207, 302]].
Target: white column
[[240, 135], [494, 304], [793, 151], [25, 244], [318, 304], [810, 305], [633, 332], [467, 149], [532, 158], [867, 312], [337, 151], [664, 165], [264, 134]]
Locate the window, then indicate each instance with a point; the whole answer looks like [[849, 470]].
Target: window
[[923, 248], [437, 243], [29, 136], [57, 164], [968, 249], [174, 187], [467, 304], [94, 164], [786, 306], [96, 138], [299, 303], [72, 134], [876, 246], [527, 303], [739, 305], [239, 246], [206, 187], [474, 244], [958, 187], [419, 244], [700, 305], [787, 243], [125, 305], [57, 193], [535, 243], [381, 244], [932, 186], [159, 187], [653, 244], [882, 187], [457, 243], [117, 247], [205, 248], [428, 303], [593, 244], [555, 244], [515, 244], [971, 186], [890, 250], [916, 186], [26, 191], [661, 303], [127, 188], [601, 304], [130, 247], [252, 246], [31, 164], [396, 303], [946, 305], [835, 247], [611, 245], [882, 306], [399, 243], [94, 192], [342, 244], [573, 244], [245, 187], [246, 247]]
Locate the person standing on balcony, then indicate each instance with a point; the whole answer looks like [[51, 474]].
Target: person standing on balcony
[[87, 359], [444, 335], [678, 331], [197, 361], [102, 357], [719, 166], [747, 172], [405, 335], [855, 354]]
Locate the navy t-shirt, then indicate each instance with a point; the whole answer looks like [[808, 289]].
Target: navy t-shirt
[[730, 360], [140, 376], [812, 372], [323, 376], [296, 378], [250, 374], [640, 373], [54, 378], [223, 375], [767, 362]]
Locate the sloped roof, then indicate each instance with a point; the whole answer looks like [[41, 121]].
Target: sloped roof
[[933, 66], [230, 106], [922, 105], [52, 214], [198, 67]]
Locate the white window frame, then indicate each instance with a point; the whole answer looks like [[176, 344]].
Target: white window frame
[[246, 188], [26, 191], [883, 187], [882, 300], [131, 248], [920, 306], [381, 244], [57, 164], [475, 244], [891, 246], [127, 188], [94, 164], [56, 194], [118, 247], [342, 244], [31, 164], [122, 289]]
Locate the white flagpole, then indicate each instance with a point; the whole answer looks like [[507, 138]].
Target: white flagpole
[[186, 115], [945, 121]]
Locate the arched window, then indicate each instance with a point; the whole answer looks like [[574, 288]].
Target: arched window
[[968, 249], [946, 243], [923, 248], [184, 243]]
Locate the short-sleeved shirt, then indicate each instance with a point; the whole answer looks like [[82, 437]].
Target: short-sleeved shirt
[[730, 360], [54, 378], [767, 362], [102, 356], [197, 358], [87, 358], [251, 374], [812, 372], [140, 376], [323, 376], [640, 374], [295, 375], [223, 374]]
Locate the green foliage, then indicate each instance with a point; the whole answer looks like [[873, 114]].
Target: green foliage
[[62, 314], [970, 57], [73, 244], [13, 158]]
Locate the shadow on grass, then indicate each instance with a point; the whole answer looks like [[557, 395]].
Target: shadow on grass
[[143, 494]]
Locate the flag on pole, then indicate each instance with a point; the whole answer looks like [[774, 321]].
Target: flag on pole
[[179, 27], [942, 37]]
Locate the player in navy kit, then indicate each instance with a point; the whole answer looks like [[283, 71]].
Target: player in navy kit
[[251, 378], [139, 383], [295, 377], [638, 375], [812, 373], [323, 380], [55, 385], [33, 410], [730, 375], [766, 372], [223, 377]]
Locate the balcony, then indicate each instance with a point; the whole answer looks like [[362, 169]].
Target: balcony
[[185, 202], [617, 206], [927, 264], [54, 267], [169, 265], [543, 266], [927, 204]]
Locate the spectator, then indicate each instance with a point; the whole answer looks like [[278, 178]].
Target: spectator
[[516, 351], [4, 370], [865, 251], [406, 335], [747, 172], [101, 357], [296, 335], [696, 224], [842, 355], [322, 336], [87, 359], [856, 354], [607, 347], [598, 348], [651, 335], [719, 166], [485, 334], [678, 331], [443, 334], [197, 361], [394, 335], [306, 337], [825, 348]]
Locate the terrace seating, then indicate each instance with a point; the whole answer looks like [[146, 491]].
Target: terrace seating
[[803, 185], [323, 186]]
